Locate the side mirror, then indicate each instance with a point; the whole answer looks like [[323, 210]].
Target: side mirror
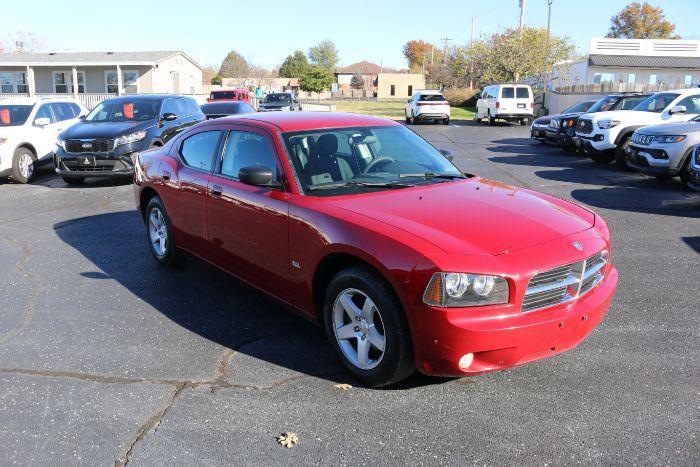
[[168, 117], [82, 117], [42, 121], [477, 95], [257, 175], [408, 101], [677, 109], [447, 153]]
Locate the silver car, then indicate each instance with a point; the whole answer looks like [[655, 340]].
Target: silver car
[[694, 183], [664, 151]]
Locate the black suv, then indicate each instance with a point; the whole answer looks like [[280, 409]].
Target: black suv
[[101, 144]]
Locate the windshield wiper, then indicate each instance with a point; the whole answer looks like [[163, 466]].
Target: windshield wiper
[[360, 183], [429, 175]]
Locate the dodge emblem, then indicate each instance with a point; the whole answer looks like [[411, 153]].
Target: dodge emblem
[[578, 246]]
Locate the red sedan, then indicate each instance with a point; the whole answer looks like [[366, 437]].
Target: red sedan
[[365, 228]]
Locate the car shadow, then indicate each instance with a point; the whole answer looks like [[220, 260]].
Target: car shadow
[[692, 242], [209, 302]]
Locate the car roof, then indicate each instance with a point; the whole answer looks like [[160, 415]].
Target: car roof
[[429, 91], [35, 100], [301, 121], [683, 92], [144, 97]]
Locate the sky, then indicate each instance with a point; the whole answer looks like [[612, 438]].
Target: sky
[[266, 32]]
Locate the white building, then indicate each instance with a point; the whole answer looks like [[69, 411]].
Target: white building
[[634, 64]]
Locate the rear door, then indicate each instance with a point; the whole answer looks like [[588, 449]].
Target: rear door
[[524, 100]]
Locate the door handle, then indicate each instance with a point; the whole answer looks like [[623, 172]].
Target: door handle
[[166, 175], [216, 190]]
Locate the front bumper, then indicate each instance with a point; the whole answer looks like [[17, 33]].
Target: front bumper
[[642, 160], [499, 345], [539, 132], [117, 163], [560, 138], [595, 142]]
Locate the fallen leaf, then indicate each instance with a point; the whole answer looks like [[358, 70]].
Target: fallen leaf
[[343, 386], [288, 440]]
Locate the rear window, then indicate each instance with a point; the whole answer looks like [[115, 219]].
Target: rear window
[[222, 95], [522, 93], [508, 93], [14, 115], [431, 97], [656, 103], [630, 103]]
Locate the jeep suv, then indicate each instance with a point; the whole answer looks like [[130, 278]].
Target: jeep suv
[[101, 144], [694, 176], [606, 135], [664, 151]]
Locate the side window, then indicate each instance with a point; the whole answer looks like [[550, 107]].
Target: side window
[[199, 150], [75, 108], [508, 93], [192, 106], [245, 149], [181, 109], [62, 111], [692, 104], [45, 112], [169, 107]]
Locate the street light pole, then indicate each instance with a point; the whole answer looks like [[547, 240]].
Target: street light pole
[[545, 85]]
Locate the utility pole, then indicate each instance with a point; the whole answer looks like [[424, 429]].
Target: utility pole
[[445, 40], [471, 62], [546, 58], [522, 16]]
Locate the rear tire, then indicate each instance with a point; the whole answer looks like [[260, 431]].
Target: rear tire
[[360, 302], [523, 122], [23, 165], [159, 233], [492, 120], [73, 180], [446, 121]]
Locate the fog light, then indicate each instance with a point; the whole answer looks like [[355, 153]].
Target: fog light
[[466, 361]]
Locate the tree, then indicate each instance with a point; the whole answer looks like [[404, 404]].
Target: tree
[[510, 55], [234, 66], [22, 41], [294, 65], [357, 81], [208, 74], [316, 79], [420, 54], [217, 79], [641, 21], [324, 55]]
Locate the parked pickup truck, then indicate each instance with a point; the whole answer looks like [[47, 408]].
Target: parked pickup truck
[[606, 135]]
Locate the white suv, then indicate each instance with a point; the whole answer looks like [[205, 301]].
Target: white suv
[[28, 131], [510, 102], [606, 135], [428, 105]]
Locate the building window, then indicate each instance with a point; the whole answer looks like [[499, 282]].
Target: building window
[[131, 82], [60, 82], [631, 78], [81, 82], [688, 80], [6, 82], [601, 78], [410, 90], [111, 82], [652, 79], [21, 82], [392, 91]]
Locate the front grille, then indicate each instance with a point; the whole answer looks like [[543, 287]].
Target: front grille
[[564, 283], [642, 139], [108, 165], [584, 126], [89, 145]]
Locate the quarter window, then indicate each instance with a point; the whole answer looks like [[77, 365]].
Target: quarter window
[[246, 149], [199, 150]]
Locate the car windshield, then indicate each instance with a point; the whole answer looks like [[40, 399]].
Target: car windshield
[[431, 97], [656, 103], [278, 98], [629, 103], [604, 104], [124, 110], [14, 115], [360, 159], [580, 107]]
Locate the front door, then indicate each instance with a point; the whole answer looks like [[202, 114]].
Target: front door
[[45, 140], [249, 225]]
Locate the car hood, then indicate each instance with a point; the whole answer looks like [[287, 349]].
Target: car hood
[[633, 116], [474, 216], [543, 120], [682, 128], [84, 130], [572, 115]]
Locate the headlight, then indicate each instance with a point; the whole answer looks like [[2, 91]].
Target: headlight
[[130, 138], [554, 123], [607, 124], [456, 289], [667, 139]]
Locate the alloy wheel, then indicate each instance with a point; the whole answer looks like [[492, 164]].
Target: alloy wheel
[[157, 232], [26, 165], [359, 329]]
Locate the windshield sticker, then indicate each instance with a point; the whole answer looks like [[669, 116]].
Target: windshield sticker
[[5, 116], [129, 111]]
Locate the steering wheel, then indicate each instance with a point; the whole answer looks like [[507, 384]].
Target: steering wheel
[[377, 161]]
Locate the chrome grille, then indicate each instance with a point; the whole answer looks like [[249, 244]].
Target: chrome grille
[[584, 126], [564, 283], [89, 145]]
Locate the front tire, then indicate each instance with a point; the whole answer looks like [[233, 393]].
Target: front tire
[[685, 171], [367, 327], [621, 155], [159, 233], [23, 165]]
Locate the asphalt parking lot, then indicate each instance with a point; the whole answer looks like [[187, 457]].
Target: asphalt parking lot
[[106, 358]]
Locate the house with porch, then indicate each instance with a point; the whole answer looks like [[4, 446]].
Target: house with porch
[[94, 76]]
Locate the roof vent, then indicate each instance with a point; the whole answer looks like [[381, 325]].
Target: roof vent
[[110, 53], [52, 53]]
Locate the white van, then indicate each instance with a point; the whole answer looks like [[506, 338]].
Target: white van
[[510, 102]]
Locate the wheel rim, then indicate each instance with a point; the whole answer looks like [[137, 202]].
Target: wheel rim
[[157, 232], [26, 166], [359, 329]]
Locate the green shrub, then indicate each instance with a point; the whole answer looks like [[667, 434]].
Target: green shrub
[[460, 97]]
